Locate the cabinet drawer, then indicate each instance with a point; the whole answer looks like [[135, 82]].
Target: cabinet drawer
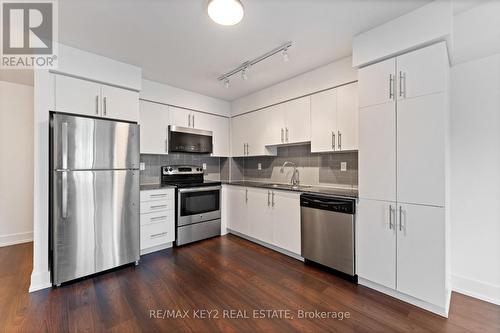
[[157, 195], [158, 217], [156, 234], [156, 206]]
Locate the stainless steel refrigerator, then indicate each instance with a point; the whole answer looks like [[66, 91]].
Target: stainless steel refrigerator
[[94, 195]]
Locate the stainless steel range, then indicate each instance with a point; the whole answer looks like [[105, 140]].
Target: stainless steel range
[[198, 214]]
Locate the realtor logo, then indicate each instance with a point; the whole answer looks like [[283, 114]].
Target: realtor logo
[[28, 34]]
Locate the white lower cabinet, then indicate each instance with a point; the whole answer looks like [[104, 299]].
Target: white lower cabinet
[[269, 216], [400, 246], [157, 219]]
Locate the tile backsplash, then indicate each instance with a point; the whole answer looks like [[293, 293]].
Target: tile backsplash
[[320, 169], [153, 163]]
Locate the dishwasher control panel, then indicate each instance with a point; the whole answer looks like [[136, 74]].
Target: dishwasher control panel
[[334, 204]]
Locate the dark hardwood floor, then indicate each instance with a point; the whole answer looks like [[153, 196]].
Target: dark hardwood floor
[[218, 274]]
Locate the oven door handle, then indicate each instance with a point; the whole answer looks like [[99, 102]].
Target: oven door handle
[[199, 189]]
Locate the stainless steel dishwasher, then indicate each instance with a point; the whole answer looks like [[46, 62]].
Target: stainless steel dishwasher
[[327, 225]]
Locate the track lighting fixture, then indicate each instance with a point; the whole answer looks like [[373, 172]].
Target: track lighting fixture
[[242, 69]]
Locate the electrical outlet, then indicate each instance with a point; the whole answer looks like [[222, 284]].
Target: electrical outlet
[[204, 166], [142, 166], [259, 166], [343, 166]]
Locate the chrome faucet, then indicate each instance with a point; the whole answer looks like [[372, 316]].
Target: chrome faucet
[[295, 181]]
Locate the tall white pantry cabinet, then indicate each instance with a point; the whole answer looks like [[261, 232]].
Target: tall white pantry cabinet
[[402, 229]]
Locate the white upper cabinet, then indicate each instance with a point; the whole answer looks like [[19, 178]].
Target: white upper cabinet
[[421, 134], [347, 117], [220, 128], [120, 103], [153, 118], [422, 72], [377, 152], [274, 124], [78, 96], [377, 83], [239, 135], [248, 134], [376, 228], [298, 120], [93, 99], [324, 121], [179, 117], [334, 119]]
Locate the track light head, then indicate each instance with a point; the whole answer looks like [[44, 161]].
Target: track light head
[[226, 83], [284, 53], [244, 75]]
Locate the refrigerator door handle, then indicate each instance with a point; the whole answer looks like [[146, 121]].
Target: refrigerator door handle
[[64, 144], [64, 204]]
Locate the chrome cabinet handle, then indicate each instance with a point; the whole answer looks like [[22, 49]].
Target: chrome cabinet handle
[[333, 140], [340, 140], [282, 135], [64, 145], [158, 206], [97, 104], [248, 150], [158, 218], [391, 84], [400, 218], [246, 195], [64, 204], [390, 217], [158, 235], [159, 195], [268, 198], [189, 119], [402, 84], [193, 120], [272, 202], [286, 134], [105, 107]]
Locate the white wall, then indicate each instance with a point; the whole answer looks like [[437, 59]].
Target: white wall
[[16, 163], [163, 93], [475, 152], [328, 76], [475, 178]]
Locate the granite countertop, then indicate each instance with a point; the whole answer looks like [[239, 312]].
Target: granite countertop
[[337, 191]]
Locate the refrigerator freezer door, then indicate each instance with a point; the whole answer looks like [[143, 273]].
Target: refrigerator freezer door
[[95, 223], [81, 143]]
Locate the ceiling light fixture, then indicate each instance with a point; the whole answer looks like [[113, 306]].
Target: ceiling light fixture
[[284, 53], [225, 12], [247, 64]]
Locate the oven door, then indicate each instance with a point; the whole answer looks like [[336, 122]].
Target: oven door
[[198, 204]]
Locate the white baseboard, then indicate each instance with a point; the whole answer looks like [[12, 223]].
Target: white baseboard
[[478, 289], [442, 311], [12, 239], [39, 281]]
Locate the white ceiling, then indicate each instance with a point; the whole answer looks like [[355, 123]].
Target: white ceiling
[[175, 42]]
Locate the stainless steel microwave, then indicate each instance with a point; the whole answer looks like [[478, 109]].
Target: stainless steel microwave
[[189, 140]]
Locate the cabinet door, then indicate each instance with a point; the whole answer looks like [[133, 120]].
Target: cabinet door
[[220, 128], [237, 209], [298, 120], [421, 252], [238, 135], [421, 150], [153, 118], [286, 221], [260, 224], [255, 125], [423, 72], [274, 124], [324, 121], [77, 96], [120, 103], [376, 242], [347, 117], [377, 83], [377, 152], [179, 117], [201, 120]]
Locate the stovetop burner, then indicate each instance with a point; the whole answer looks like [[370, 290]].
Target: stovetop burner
[[183, 176]]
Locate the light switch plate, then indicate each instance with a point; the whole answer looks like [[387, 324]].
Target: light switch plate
[[204, 166], [142, 166], [343, 166], [259, 166]]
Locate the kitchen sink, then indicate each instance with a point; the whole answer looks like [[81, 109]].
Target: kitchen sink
[[287, 187]]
